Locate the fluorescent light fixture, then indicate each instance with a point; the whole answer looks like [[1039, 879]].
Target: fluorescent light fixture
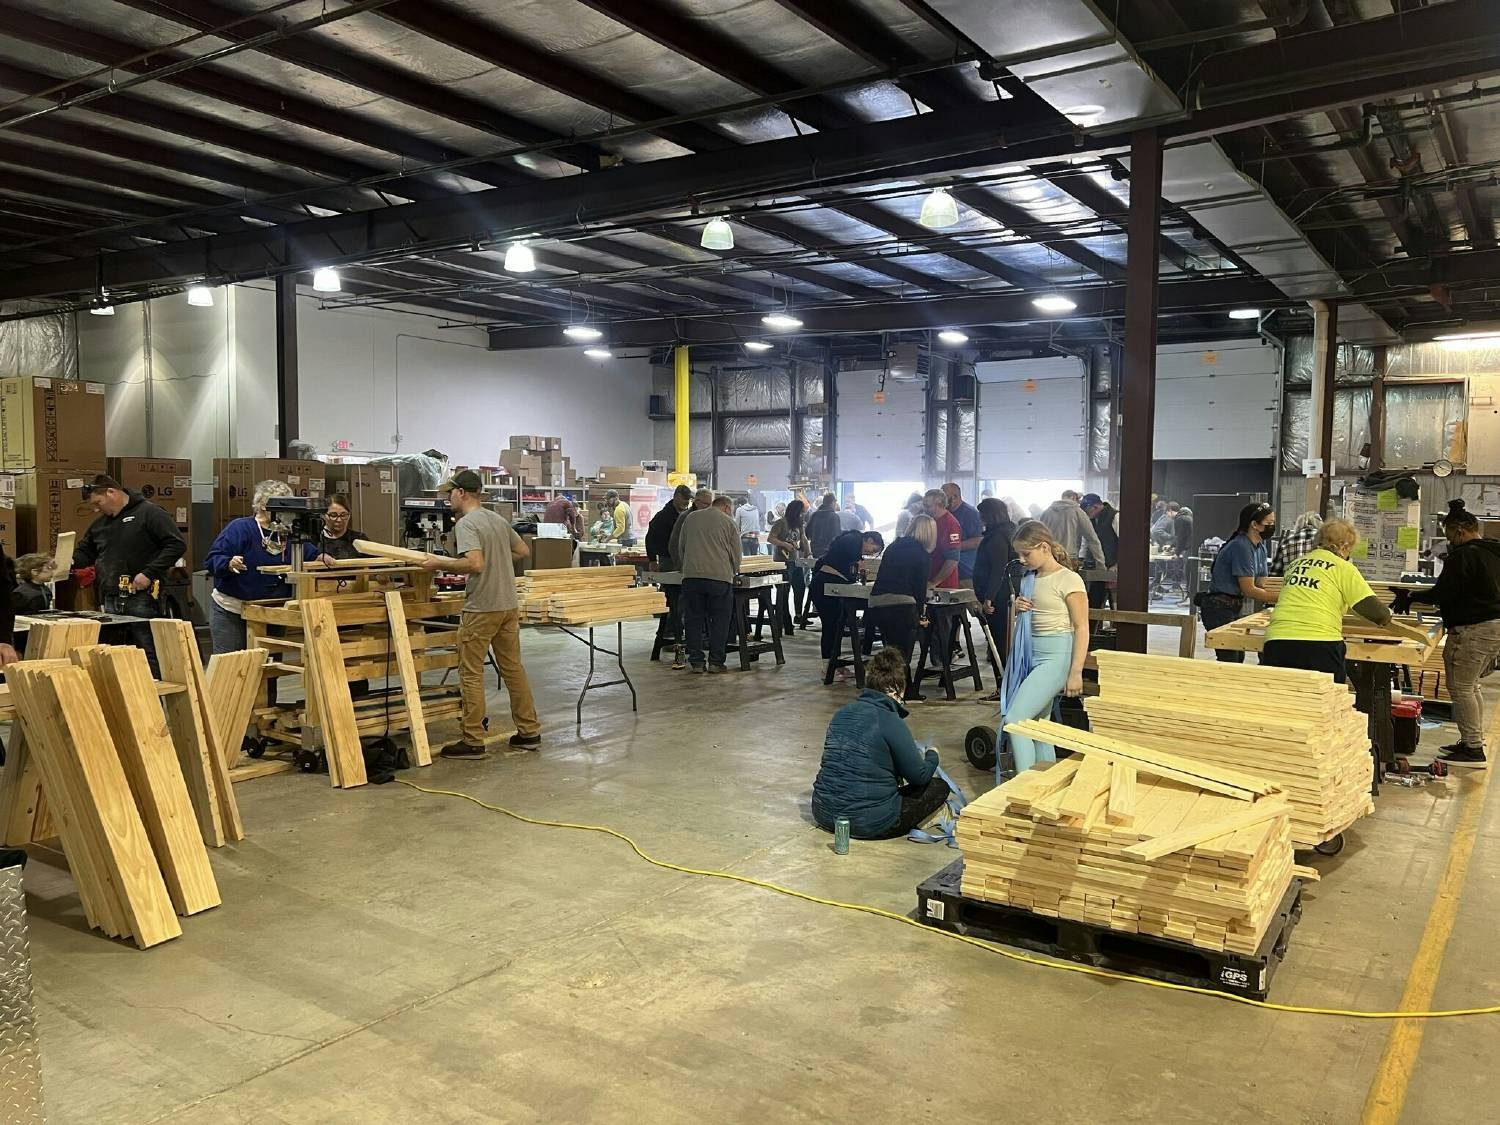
[[1467, 337], [201, 296], [757, 346], [1053, 303], [953, 336], [326, 280], [1244, 314], [598, 353], [519, 258], [102, 310], [939, 210], [717, 235], [781, 320], [582, 333]]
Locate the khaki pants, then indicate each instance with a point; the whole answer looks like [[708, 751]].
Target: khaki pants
[[501, 632]]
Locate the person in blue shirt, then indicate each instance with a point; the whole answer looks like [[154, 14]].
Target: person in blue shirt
[[1239, 572], [971, 524], [873, 771]]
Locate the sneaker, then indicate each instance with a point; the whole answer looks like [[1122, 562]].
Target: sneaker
[[717, 669], [1465, 756], [461, 749], [697, 669], [526, 741], [1459, 745]]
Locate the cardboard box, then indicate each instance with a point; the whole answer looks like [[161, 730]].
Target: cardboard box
[[49, 503], [619, 474], [8, 526], [235, 479], [374, 505], [166, 482], [551, 554], [51, 424]]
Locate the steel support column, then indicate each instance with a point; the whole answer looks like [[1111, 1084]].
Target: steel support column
[[1377, 411], [286, 361], [1138, 382], [1323, 388], [682, 371]]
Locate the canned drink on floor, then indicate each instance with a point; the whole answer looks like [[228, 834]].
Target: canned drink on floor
[[841, 836]]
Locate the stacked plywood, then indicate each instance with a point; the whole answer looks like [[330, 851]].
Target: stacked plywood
[[95, 731], [581, 595], [1298, 730], [761, 564], [1134, 841]]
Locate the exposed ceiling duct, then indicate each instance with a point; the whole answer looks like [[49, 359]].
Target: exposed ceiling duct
[[1091, 67]]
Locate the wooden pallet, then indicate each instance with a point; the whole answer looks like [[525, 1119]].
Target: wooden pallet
[[1134, 840], [1311, 742]]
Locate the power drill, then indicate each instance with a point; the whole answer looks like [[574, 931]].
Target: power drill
[[127, 587]]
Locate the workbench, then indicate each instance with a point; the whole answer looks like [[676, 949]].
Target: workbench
[[943, 606]]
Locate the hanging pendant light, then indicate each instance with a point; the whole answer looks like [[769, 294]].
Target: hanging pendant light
[[717, 235], [519, 258], [326, 280], [200, 296], [939, 210]]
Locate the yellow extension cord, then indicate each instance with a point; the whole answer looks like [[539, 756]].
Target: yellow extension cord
[[863, 908]]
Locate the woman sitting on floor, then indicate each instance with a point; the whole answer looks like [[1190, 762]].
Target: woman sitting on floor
[[873, 771]]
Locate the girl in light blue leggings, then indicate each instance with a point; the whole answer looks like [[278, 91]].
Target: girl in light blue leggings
[[1057, 615]]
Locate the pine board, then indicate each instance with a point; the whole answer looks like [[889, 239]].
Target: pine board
[[411, 682]]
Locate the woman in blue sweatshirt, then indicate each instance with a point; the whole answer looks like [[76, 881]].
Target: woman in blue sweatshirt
[[873, 771], [233, 562]]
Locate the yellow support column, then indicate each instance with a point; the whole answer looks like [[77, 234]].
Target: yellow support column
[[684, 406]]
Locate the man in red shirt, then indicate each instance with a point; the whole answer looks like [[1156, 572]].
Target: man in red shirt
[[562, 510], [950, 536]]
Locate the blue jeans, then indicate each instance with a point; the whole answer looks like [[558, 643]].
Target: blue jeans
[[227, 629], [791, 597], [1052, 658], [137, 603]]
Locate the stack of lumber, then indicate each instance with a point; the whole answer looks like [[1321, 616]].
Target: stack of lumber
[[1298, 730], [1431, 678], [1132, 840], [580, 595], [119, 789], [761, 564]]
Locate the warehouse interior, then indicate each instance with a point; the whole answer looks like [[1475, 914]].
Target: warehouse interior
[[1239, 255]]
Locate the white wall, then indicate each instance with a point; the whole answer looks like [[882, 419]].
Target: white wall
[[393, 382]]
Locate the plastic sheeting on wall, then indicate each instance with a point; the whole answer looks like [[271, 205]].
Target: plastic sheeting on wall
[[757, 435], [1103, 369], [46, 346], [754, 388], [1296, 424], [965, 417], [700, 399], [809, 382], [701, 446], [812, 454], [940, 442], [1099, 433], [1421, 420], [1351, 428], [1438, 359], [1354, 363]]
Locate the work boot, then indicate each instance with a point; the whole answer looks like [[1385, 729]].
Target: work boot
[[526, 741], [462, 749], [717, 669], [1465, 756]]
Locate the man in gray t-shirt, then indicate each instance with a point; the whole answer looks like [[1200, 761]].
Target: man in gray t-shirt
[[488, 548]]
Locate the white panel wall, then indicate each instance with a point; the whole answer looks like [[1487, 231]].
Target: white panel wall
[[1031, 419], [393, 382], [880, 441], [1217, 401]]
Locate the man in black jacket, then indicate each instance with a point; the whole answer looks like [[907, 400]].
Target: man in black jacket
[[659, 557], [131, 547], [1106, 523]]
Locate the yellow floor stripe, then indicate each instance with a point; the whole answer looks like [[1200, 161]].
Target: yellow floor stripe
[[1398, 1062]]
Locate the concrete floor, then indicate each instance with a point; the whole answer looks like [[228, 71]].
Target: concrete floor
[[383, 955]]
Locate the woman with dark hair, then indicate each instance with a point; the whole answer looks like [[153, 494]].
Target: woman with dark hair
[[788, 541], [1468, 596], [840, 565], [824, 526], [337, 537], [992, 576], [873, 772], [1239, 570]]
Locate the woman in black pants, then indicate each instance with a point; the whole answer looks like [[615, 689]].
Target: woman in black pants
[[840, 564], [788, 540], [903, 575], [992, 577]]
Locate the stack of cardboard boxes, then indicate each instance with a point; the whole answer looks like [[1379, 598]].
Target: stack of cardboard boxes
[[235, 479], [165, 481], [52, 440], [374, 503], [536, 459]]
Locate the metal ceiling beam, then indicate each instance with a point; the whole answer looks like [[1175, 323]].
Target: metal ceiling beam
[[872, 214], [1094, 302], [543, 289], [441, 22], [220, 133], [231, 89], [1113, 211], [800, 236], [113, 204], [1412, 237], [1466, 268], [361, 283], [685, 236], [1477, 223], [700, 42], [1007, 214], [763, 294]]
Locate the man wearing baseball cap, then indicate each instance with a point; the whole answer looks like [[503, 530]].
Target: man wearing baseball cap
[[487, 548]]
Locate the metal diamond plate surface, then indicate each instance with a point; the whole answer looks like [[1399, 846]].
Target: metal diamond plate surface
[[20, 1054]]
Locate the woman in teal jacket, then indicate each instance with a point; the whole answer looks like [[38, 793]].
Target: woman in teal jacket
[[873, 771]]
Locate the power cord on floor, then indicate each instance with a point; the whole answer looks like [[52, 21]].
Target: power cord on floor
[[864, 908]]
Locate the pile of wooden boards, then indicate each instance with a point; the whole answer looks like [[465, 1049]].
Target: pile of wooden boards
[[761, 564], [586, 595], [135, 793], [1136, 841], [1298, 730]]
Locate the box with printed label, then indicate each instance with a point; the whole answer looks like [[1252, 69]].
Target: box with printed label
[[51, 423], [235, 479], [165, 481], [371, 492], [49, 503], [8, 526]]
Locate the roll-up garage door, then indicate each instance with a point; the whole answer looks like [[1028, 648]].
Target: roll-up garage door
[[1031, 419], [879, 441], [1216, 401]]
